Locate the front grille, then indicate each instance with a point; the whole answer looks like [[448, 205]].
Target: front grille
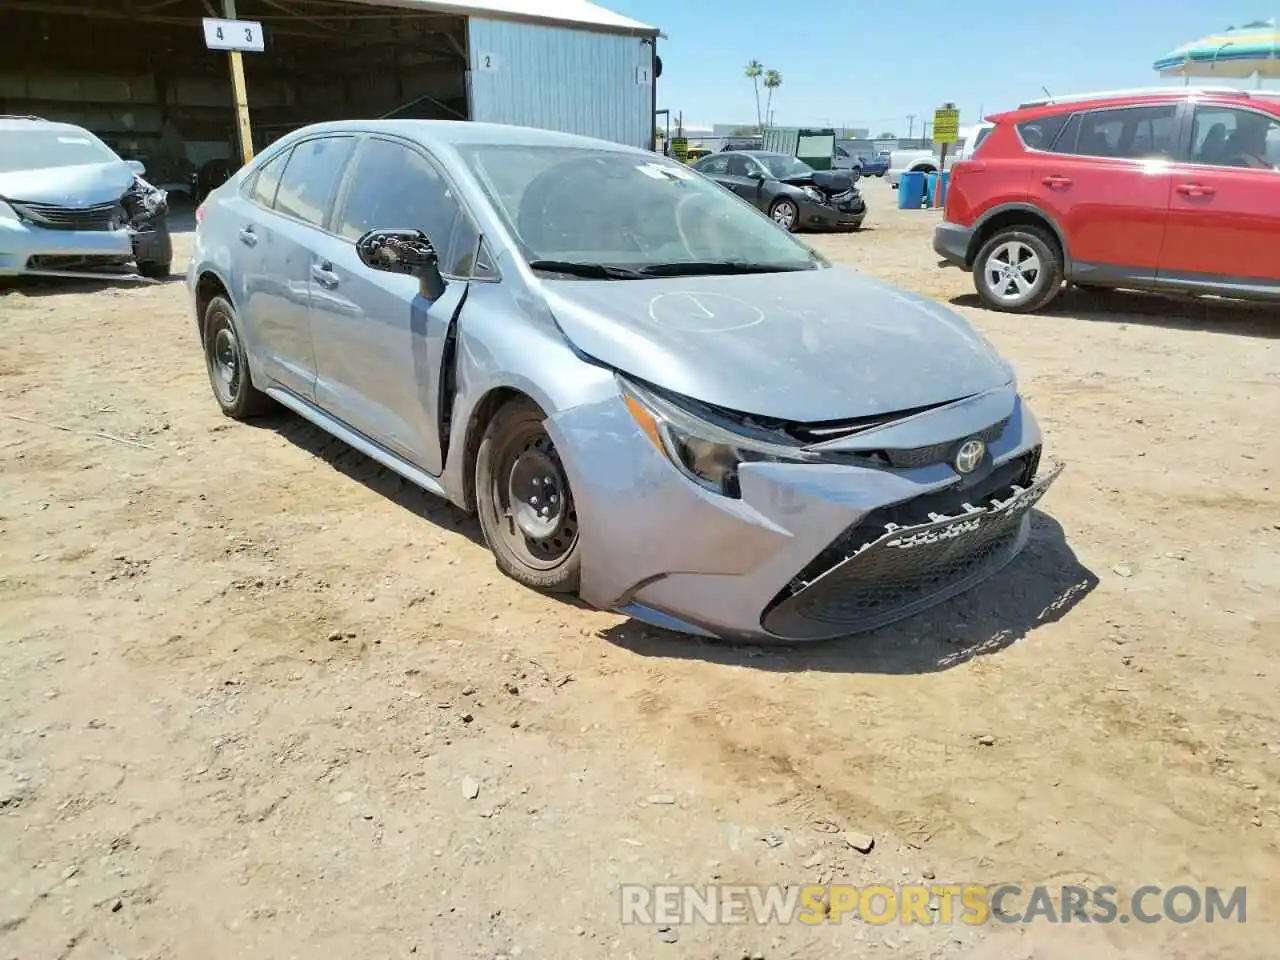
[[105, 264], [900, 559], [102, 216], [939, 452]]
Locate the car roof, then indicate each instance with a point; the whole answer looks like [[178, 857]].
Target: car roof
[[1047, 106], [36, 123], [454, 133], [764, 153]]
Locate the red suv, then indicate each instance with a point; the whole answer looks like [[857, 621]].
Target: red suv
[[1175, 189]]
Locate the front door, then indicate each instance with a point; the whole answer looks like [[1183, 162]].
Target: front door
[[1105, 180], [1225, 211], [379, 342]]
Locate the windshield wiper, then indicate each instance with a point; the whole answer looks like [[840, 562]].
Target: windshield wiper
[[592, 271], [707, 268]]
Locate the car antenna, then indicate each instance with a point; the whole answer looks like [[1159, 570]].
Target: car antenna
[[1046, 91]]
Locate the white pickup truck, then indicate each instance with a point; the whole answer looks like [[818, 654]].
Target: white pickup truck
[[926, 161], [907, 161]]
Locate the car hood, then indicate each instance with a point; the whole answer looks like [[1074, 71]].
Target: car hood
[[80, 186], [830, 182], [806, 346]]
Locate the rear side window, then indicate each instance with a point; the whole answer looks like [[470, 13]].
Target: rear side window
[[267, 179], [312, 175], [977, 141], [1040, 133], [1132, 133]]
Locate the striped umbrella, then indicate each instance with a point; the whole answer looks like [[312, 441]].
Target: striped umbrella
[[1251, 50]]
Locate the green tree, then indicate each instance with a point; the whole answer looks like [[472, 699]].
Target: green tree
[[887, 136], [754, 69], [772, 81]]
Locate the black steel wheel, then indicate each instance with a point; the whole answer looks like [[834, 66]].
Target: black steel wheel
[[526, 507], [228, 364]]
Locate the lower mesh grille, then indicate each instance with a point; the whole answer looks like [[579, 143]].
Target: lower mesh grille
[[879, 571]]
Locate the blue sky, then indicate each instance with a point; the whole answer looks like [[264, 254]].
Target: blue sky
[[845, 62]]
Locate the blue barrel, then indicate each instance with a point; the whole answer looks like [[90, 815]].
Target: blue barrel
[[931, 190], [911, 187]]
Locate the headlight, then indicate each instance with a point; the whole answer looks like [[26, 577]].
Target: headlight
[[814, 194], [705, 452]]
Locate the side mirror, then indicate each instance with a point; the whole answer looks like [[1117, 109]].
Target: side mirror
[[403, 251], [137, 166], [754, 174]]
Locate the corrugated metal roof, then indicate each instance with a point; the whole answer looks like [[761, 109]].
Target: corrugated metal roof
[[566, 13]]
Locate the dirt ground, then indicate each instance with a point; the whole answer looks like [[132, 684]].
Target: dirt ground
[[249, 680]]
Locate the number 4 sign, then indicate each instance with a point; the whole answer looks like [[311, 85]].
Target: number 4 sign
[[243, 35]]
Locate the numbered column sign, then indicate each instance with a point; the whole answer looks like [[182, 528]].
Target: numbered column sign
[[242, 35]]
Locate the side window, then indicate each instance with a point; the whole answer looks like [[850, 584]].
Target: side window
[[309, 181], [715, 165], [1066, 142], [1039, 133], [263, 188], [842, 153], [393, 186], [1133, 133], [738, 166], [1226, 137]]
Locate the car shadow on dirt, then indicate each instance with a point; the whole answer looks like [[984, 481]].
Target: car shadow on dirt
[[65, 286], [1040, 586], [353, 464], [1235, 317]]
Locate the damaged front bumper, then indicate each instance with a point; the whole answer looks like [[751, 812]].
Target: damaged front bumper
[[104, 241], [898, 570]]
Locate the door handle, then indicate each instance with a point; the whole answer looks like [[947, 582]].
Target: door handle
[[1194, 190], [1054, 180], [322, 273], [247, 237]]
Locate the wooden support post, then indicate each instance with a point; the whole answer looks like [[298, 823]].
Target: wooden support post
[[239, 91]]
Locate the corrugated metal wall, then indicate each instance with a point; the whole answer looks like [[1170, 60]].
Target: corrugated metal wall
[[593, 84]]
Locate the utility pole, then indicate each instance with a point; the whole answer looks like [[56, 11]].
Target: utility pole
[[239, 91], [911, 126]]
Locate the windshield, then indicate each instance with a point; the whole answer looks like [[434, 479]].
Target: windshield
[[781, 167], [575, 205], [43, 148]]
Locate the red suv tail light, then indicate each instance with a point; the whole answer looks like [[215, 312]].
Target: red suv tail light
[[199, 214]]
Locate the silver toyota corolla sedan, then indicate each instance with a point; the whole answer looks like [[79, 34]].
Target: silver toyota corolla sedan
[[652, 395]]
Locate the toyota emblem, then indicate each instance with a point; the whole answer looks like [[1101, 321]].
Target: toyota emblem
[[969, 456]]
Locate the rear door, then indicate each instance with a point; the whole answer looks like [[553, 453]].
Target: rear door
[[1225, 208], [379, 342], [1104, 177], [279, 242]]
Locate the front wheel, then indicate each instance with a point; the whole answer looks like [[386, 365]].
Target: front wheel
[[1019, 270], [526, 507], [785, 214]]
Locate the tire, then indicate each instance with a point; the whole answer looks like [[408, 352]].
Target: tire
[[1024, 245], [228, 364], [785, 214], [156, 271], [515, 462]]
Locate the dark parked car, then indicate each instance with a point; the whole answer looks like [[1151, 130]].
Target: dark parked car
[[788, 189]]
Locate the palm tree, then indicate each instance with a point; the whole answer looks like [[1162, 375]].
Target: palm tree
[[754, 69], [772, 81]]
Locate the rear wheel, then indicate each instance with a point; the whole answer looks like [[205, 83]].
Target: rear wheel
[[785, 214], [526, 507], [1018, 270], [228, 364]]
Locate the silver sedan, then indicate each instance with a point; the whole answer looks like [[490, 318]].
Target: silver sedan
[[653, 396]]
